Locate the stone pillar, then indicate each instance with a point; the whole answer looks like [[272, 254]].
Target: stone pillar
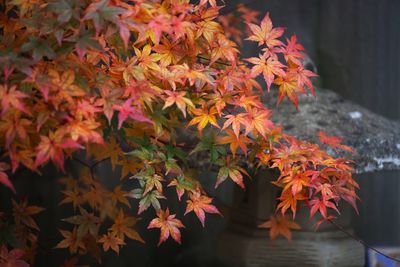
[[244, 244]]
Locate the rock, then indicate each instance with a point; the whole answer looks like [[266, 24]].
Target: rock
[[375, 139]]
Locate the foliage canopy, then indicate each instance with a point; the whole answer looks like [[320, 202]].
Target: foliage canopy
[[151, 86]]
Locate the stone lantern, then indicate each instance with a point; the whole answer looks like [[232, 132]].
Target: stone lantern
[[376, 141]]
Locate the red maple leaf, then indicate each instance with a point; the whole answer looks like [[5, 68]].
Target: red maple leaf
[[12, 258], [4, 177], [128, 111], [333, 141]]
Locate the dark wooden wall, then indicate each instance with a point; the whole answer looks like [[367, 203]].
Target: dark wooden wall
[[358, 56], [355, 45]]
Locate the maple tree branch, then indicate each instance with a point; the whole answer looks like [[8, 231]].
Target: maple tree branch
[[81, 162], [362, 242], [219, 61]]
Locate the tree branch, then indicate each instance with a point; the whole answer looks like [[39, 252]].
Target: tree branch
[[362, 242]]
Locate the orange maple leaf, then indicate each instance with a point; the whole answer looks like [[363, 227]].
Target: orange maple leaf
[[288, 86], [70, 241], [110, 240], [200, 204], [179, 99], [168, 226], [280, 225], [268, 66], [258, 120], [123, 227], [236, 121], [234, 141], [265, 33], [11, 97], [23, 213], [204, 117], [289, 201]]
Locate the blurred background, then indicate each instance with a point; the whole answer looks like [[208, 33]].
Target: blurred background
[[354, 45]]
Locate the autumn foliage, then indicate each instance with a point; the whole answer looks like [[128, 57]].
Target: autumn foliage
[[150, 86]]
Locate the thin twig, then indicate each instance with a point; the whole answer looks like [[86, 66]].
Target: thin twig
[[338, 226], [219, 61], [81, 162]]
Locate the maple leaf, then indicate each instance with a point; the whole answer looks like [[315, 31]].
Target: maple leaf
[[95, 194], [123, 227], [208, 29], [180, 28], [232, 171], [234, 141], [321, 205], [258, 120], [204, 117], [4, 177], [100, 11], [65, 84], [168, 52], [153, 181], [268, 66], [128, 111], [72, 196], [288, 200], [293, 51], [23, 214], [12, 258], [70, 241], [248, 15], [265, 34], [182, 184], [200, 204], [224, 49], [87, 223], [280, 225], [111, 149], [333, 141], [303, 77], [145, 59], [11, 97], [13, 125], [151, 198], [110, 240], [158, 25], [85, 131], [288, 87], [119, 195], [51, 147], [296, 182], [236, 121], [168, 225], [248, 102], [179, 99]]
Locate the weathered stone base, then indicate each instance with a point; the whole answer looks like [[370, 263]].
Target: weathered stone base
[[320, 249]]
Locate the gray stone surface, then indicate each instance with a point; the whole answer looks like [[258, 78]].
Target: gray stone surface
[[317, 249], [375, 139]]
